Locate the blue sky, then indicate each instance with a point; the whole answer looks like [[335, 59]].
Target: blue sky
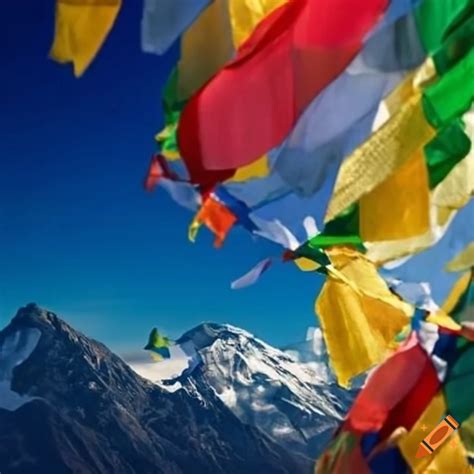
[[79, 235]]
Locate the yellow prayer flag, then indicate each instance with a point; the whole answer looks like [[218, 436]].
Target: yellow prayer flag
[[256, 169], [449, 458], [359, 315], [213, 38], [396, 141], [381, 155], [399, 207], [205, 47], [456, 292], [440, 318], [451, 194], [245, 15], [81, 28], [306, 265], [463, 261]]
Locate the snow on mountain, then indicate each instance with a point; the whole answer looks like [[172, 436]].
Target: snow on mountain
[[84, 410], [16, 348], [290, 395]]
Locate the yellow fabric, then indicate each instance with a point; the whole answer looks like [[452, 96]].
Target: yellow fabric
[[456, 292], [193, 230], [467, 434], [306, 265], [440, 318], [463, 261], [81, 28], [211, 41], [205, 47], [458, 187], [451, 194], [257, 169], [359, 315], [449, 458], [163, 135], [381, 155], [245, 15], [399, 207]]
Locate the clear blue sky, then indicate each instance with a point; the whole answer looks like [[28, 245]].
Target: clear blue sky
[[77, 232]]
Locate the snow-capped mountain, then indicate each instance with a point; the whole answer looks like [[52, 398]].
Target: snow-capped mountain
[[289, 395], [69, 405]]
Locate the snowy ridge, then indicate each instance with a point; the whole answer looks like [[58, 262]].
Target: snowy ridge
[[289, 395], [89, 412], [15, 349]]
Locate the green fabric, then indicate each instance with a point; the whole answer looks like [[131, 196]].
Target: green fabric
[[457, 43], [464, 309], [459, 384], [313, 253], [452, 94], [324, 241], [343, 230], [346, 223], [157, 340], [434, 17], [448, 148], [172, 111]]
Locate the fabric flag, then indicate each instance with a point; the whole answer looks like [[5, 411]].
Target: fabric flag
[[211, 41], [81, 28], [385, 151], [446, 150], [452, 95], [246, 15], [217, 218], [453, 193], [342, 116], [429, 376], [157, 170], [252, 276], [399, 207], [450, 457], [182, 193], [205, 47], [158, 345], [463, 261], [354, 296], [164, 21], [428, 265], [290, 62], [460, 302]]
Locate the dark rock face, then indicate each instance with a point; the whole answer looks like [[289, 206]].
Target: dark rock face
[[93, 414]]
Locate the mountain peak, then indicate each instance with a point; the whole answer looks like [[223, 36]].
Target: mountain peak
[[206, 333], [33, 313], [86, 403]]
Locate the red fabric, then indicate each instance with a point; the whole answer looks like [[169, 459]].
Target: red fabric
[[158, 169], [217, 218], [250, 106], [394, 381], [155, 173], [407, 412]]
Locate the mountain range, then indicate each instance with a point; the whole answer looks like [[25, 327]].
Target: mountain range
[[69, 405]]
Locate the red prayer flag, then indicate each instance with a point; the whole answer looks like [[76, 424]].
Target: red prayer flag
[[217, 218], [251, 105]]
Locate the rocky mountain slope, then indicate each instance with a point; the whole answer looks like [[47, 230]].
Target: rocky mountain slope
[[289, 395], [69, 405]]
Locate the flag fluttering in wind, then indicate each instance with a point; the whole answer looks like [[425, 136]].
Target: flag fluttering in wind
[[342, 131], [158, 345]]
